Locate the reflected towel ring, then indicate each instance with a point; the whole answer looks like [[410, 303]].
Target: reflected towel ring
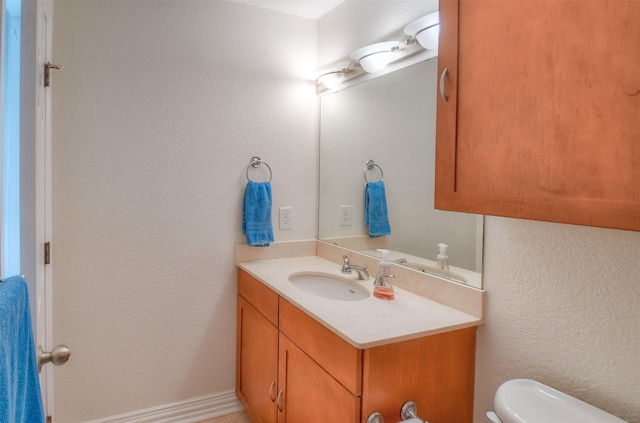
[[256, 162], [369, 166]]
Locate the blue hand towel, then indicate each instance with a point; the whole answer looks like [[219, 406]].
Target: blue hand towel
[[256, 216], [20, 399], [375, 210]]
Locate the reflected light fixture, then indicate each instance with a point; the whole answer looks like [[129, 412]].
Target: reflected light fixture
[[375, 57], [425, 30], [332, 80]]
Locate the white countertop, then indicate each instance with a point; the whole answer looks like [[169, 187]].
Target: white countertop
[[366, 323]]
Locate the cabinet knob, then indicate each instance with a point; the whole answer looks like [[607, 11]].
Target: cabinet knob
[[271, 396], [445, 97]]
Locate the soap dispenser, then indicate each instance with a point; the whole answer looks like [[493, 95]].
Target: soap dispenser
[[443, 260], [383, 286]]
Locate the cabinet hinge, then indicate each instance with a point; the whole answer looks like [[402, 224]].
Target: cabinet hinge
[[47, 253]]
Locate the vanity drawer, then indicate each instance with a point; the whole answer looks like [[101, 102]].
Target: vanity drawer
[[259, 295], [342, 360]]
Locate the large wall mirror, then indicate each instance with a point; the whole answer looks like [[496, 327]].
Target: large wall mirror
[[391, 120]]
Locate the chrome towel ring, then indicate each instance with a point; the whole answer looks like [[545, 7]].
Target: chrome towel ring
[[369, 166], [255, 162]]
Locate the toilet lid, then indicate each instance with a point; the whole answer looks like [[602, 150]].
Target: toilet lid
[[528, 401]]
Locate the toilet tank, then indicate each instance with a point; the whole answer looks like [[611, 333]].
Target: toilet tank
[[528, 401]]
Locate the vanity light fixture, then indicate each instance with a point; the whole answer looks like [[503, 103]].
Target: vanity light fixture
[[332, 80], [375, 57], [425, 30], [419, 40]]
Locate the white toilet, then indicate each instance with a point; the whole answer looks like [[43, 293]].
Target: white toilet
[[528, 401]]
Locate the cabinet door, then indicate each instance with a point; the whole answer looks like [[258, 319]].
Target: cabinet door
[[309, 393], [257, 363], [541, 120]]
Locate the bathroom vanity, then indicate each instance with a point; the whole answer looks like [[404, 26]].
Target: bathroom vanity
[[303, 358]]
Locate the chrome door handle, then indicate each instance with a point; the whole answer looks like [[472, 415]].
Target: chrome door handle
[[271, 397], [57, 356], [445, 97], [278, 401]]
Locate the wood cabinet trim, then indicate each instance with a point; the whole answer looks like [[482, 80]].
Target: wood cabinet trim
[[599, 213]]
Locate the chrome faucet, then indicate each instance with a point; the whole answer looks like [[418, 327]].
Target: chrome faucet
[[363, 274]]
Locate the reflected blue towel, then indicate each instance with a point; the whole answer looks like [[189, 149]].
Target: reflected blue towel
[[375, 210], [20, 400], [256, 215]]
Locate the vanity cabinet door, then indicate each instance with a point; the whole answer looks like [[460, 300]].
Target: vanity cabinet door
[[309, 393], [256, 363], [540, 120]]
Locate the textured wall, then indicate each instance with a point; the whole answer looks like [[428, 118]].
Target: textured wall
[[563, 307], [156, 114], [563, 301]]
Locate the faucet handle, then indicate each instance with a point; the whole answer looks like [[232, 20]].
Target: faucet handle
[[345, 265]]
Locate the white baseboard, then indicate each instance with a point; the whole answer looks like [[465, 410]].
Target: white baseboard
[[190, 411]]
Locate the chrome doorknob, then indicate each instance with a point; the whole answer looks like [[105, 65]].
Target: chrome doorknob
[[57, 356]]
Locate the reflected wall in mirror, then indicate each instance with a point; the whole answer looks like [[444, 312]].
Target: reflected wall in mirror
[[391, 120]]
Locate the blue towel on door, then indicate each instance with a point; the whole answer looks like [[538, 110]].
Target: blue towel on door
[[20, 398], [375, 210], [256, 215]]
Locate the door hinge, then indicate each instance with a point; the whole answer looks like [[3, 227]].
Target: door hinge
[[47, 73], [47, 253], [49, 419]]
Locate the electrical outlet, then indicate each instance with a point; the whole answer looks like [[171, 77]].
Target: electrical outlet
[[285, 217], [345, 215]]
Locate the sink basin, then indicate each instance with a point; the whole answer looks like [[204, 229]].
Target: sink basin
[[435, 271], [329, 286]]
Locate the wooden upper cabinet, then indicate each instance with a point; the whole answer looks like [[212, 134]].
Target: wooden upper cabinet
[[542, 119]]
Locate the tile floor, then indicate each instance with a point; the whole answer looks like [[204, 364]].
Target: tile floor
[[231, 418]]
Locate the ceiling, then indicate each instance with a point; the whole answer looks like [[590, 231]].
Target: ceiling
[[310, 9]]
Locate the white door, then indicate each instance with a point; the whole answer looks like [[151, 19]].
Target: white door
[[35, 175], [44, 284], [26, 176]]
